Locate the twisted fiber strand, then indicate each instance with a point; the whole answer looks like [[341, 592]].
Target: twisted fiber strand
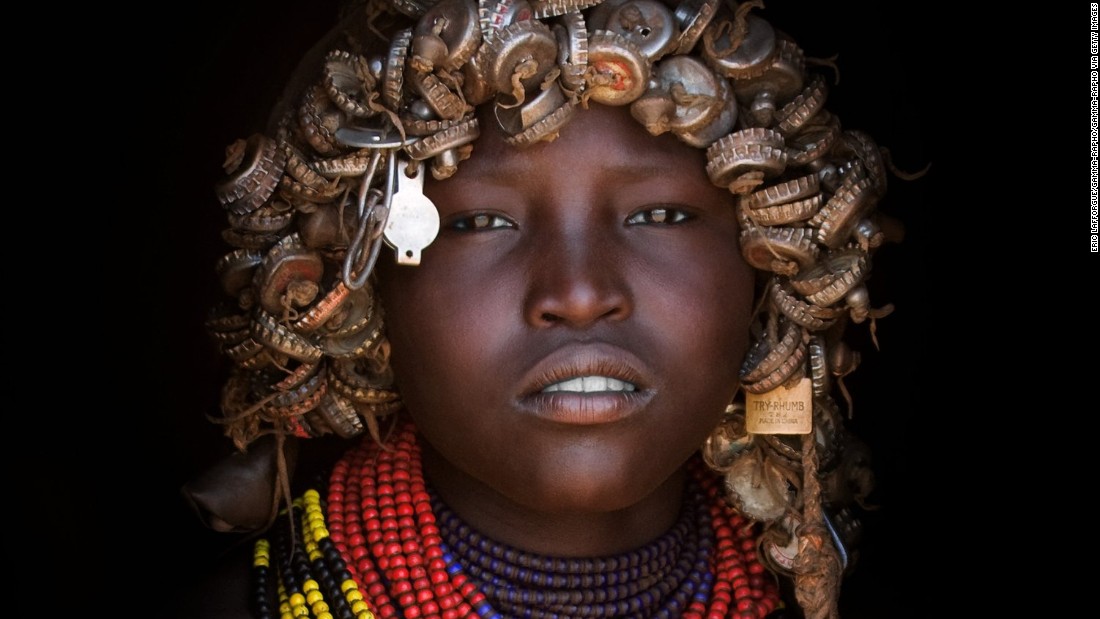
[[817, 567]]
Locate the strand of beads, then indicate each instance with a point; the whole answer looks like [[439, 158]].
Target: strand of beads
[[742, 589], [261, 579], [378, 533], [400, 537], [313, 579], [331, 572], [657, 580]]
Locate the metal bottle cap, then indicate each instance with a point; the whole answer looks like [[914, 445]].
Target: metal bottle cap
[[273, 216], [348, 82], [796, 114], [444, 146], [551, 8], [780, 80], [461, 133], [318, 120], [715, 128], [693, 16], [571, 32], [492, 15], [757, 488], [750, 59], [393, 75], [764, 357], [654, 110], [284, 264], [728, 440], [771, 248], [840, 215], [236, 269], [267, 330], [475, 85], [782, 193], [813, 317], [439, 97], [743, 159], [455, 23], [302, 183], [698, 93], [336, 414], [814, 141], [525, 51], [789, 366], [831, 279], [786, 213], [254, 167], [863, 147], [649, 24], [514, 120], [620, 72], [546, 128]]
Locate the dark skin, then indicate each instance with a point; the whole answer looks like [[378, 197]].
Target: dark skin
[[606, 252]]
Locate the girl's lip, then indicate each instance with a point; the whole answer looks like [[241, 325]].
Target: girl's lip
[[580, 359], [586, 409]]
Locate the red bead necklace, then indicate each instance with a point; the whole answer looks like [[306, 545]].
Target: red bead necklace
[[380, 518]]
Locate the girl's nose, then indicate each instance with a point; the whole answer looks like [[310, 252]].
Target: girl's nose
[[577, 280]]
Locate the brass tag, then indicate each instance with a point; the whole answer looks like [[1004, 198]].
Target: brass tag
[[781, 410]]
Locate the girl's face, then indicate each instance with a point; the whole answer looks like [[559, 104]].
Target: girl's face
[[576, 329]]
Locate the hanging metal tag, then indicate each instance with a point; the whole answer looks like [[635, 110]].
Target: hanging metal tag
[[413, 219]]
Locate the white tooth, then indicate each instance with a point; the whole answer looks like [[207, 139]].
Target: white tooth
[[573, 384], [614, 384], [594, 384], [590, 384]]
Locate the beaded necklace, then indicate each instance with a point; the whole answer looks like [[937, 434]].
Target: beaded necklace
[[382, 545]]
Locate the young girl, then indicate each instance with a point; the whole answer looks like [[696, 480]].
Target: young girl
[[577, 273]]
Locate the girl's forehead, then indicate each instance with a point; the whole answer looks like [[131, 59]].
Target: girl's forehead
[[603, 157], [600, 135]]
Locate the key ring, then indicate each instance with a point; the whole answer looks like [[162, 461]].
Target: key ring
[[364, 248]]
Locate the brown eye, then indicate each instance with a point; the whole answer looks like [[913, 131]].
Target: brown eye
[[661, 215], [480, 221]]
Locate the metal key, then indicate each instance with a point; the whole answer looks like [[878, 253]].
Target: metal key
[[413, 221]]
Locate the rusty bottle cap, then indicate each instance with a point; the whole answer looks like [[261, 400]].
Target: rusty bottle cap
[[571, 32], [619, 70], [286, 263], [693, 16], [525, 51], [751, 58], [538, 124], [697, 92], [492, 15], [393, 75], [349, 82], [454, 23], [649, 24], [717, 127]]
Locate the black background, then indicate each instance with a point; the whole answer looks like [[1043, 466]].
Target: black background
[[222, 65]]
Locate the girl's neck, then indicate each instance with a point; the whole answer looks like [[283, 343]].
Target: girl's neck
[[587, 534]]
